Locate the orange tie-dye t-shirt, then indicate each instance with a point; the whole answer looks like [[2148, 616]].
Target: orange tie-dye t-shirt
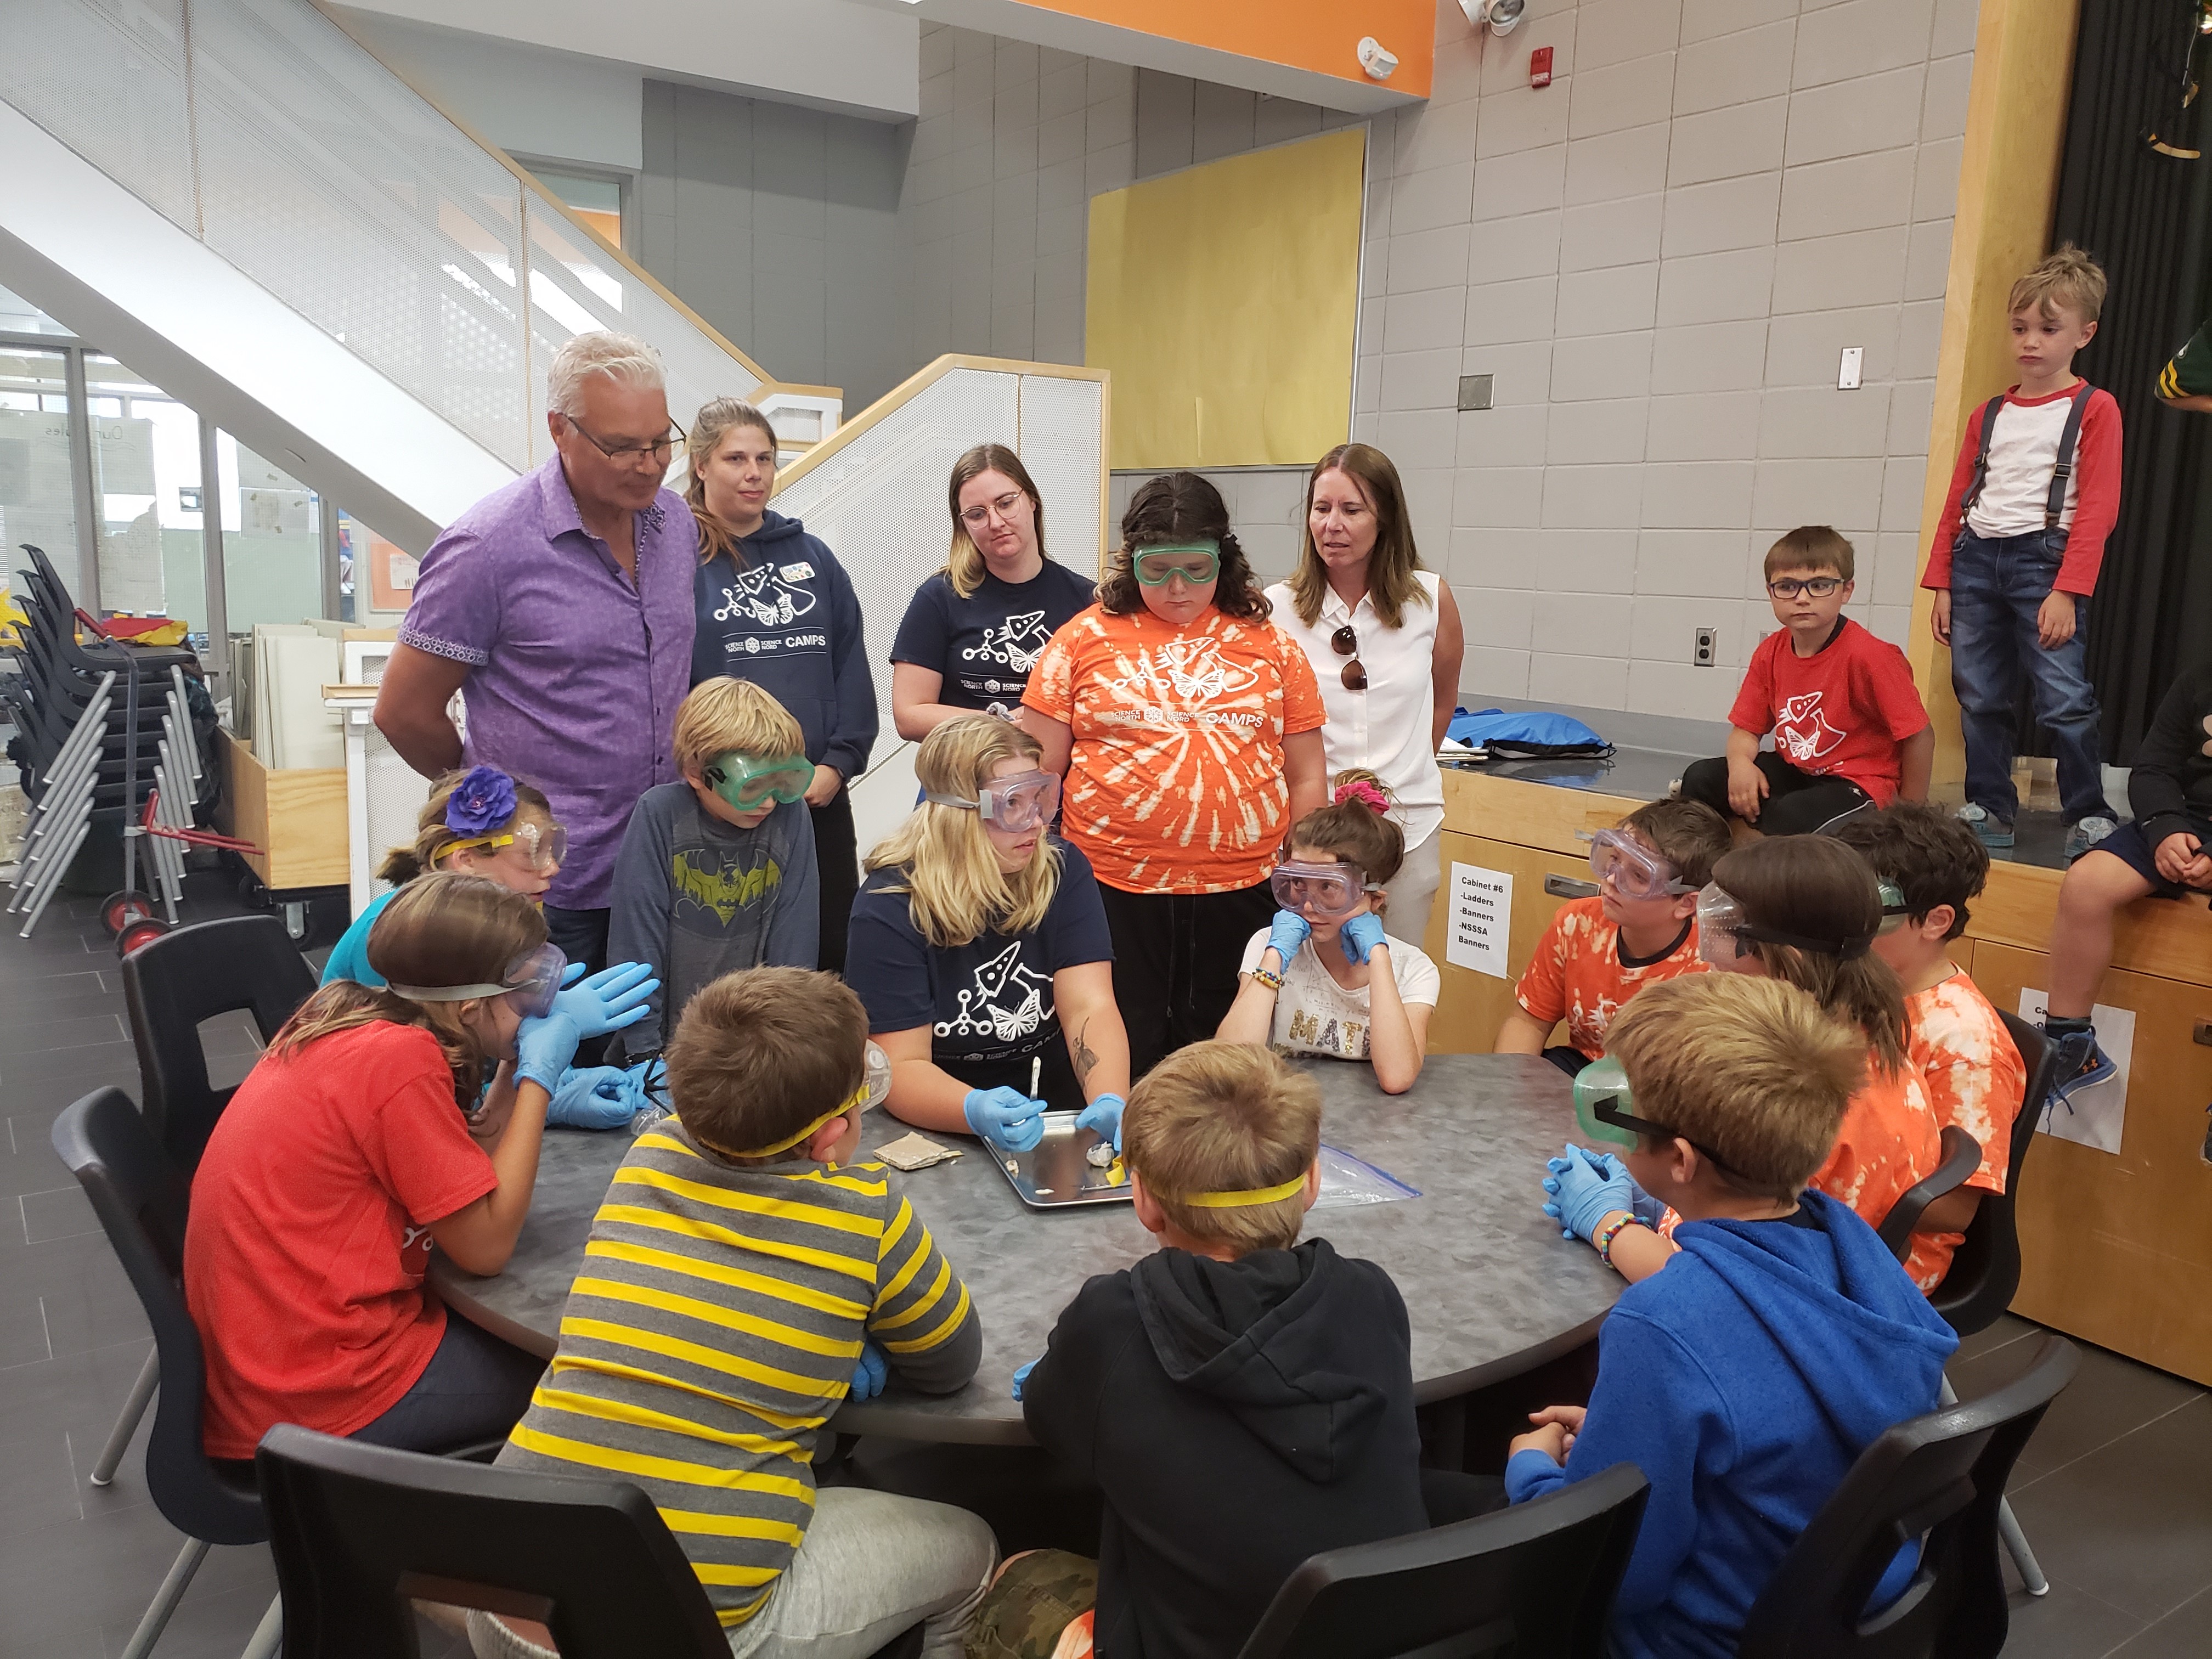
[[1175, 781], [1975, 1078], [1889, 1144], [1577, 975]]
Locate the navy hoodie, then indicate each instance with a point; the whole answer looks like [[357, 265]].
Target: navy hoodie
[[1239, 1416], [789, 621], [1744, 1378]]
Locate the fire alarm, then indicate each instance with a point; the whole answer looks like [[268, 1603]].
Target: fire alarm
[[1539, 67], [1379, 62]]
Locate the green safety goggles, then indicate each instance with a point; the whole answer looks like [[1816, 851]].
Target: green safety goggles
[[1196, 562], [749, 784]]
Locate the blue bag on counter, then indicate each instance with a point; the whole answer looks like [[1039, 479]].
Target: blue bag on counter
[[1529, 734]]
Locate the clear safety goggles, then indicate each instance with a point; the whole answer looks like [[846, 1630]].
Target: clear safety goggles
[[1196, 562], [1329, 890], [1020, 802], [1894, 909], [875, 1089], [1725, 928], [529, 986], [749, 784], [1602, 1102], [541, 847], [1635, 871]]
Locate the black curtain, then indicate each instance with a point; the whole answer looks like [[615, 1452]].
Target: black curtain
[[2145, 216]]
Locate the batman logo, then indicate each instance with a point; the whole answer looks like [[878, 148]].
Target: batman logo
[[724, 892]]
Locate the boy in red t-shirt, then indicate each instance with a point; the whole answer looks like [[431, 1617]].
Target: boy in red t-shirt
[[1641, 929], [1848, 728], [2016, 554]]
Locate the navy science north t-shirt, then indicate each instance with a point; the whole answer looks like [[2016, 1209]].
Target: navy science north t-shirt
[[988, 1003], [986, 644]]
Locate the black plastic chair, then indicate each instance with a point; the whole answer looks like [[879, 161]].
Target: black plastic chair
[[359, 1530], [1537, 1580], [1962, 1155], [139, 1197], [1938, 1478]]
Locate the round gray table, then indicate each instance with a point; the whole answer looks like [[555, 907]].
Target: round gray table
[[1491, 1287]]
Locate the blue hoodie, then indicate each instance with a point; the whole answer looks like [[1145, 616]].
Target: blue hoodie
[[1744, 1378], [789, 622]]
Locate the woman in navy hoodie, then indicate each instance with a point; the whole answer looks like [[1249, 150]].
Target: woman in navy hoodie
[[777, 609]]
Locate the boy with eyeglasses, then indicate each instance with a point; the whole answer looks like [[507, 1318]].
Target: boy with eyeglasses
[[1849, 731]]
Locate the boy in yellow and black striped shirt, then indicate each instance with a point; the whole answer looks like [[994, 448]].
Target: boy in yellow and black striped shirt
[[737, 1271]]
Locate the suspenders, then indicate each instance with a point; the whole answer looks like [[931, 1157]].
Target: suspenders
[[2054, 507]]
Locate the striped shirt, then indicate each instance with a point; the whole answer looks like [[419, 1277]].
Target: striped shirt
[[712, 1329]]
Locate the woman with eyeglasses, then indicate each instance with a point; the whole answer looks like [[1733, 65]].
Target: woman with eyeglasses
[[1189, 728], [976, 628], [344, 1155], [981, 949], [1383, 636], [776, 607]]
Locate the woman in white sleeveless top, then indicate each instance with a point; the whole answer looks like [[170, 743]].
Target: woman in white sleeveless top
[[1383, 636]]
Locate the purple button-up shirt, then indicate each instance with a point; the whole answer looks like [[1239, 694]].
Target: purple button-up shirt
[[575, 671]]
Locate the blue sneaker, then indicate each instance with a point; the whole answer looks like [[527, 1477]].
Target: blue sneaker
[[2086, 834], [2081, 1065], [1991, 831]]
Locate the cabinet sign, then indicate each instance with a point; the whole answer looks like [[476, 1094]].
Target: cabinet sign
[[1481, 919]]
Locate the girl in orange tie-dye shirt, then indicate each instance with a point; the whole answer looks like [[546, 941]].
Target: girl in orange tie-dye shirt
[[1188, 727]]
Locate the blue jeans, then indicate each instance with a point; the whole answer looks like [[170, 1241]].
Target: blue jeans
[[1997, 585]]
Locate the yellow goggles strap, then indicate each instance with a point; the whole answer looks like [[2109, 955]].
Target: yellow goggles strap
[[1244, 1200], [507, 840], [855, 1098]]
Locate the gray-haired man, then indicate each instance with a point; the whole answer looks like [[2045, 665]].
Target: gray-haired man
[[559, 607]]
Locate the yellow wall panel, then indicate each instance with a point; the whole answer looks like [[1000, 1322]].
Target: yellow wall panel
[[1224, 299]]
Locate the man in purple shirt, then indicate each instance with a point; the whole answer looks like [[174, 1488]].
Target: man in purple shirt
[[559, 607]]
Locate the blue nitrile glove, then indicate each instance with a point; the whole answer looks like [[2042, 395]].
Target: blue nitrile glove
[[1103, 1117], [869, 1372], [542, 1049], [1022, 1376], [1286, 932], [1005, 1116], [607, 1001], [1645, 1208], [1581, 1197], [591, 1097], [1359, 935]]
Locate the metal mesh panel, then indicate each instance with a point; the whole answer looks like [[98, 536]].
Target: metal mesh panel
[[106, 77], [1060, 444], [880, 502]]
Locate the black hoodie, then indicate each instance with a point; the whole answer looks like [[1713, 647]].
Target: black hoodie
[[1239, 1416]]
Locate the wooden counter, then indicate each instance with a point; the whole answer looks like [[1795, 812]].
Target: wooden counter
[[2116, 1250]]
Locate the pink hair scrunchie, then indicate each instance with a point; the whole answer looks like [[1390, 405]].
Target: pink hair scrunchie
[[1367, 795]]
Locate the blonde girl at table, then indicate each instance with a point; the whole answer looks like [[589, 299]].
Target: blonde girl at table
[[981, 950], [1324, 977], [1384, 638], [1189, 728]]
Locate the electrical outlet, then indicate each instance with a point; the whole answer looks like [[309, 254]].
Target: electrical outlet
[[1707, 648], [1474, 392]]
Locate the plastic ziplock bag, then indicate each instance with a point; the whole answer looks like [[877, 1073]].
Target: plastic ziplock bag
[[1347, 1181]]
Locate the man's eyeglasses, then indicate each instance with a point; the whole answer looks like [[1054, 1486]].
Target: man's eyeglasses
[[977, 516], [1788, 588], [631, 453], [1346, 643]]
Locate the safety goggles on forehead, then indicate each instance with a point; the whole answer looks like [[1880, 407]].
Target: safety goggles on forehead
[[529, 988], [1635, 871], [1020, 802], [749, 784], [1194, 562], [1725, 928], [1601, 1104], [1329, 890], [540, 847], [875, 1089]]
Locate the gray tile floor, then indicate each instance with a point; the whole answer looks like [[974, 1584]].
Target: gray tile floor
[[2115, 1490]]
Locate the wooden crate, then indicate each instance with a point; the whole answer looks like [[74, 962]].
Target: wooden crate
[[298, 815]]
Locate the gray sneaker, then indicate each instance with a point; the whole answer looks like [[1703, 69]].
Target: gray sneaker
[[2085, 834], [1991, 832]]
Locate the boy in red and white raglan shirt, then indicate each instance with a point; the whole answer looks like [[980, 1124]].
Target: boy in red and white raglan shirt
[[1848, 728], [2036, 492]]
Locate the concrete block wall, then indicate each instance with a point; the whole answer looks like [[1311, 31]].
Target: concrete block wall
[[1659, 259]]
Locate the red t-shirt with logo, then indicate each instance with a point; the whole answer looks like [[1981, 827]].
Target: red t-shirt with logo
[[308, 1237], [1839, 712]]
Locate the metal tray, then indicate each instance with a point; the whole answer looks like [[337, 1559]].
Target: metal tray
[[1054, 1171]]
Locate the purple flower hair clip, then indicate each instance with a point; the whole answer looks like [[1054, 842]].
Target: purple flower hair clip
[[484, 800]]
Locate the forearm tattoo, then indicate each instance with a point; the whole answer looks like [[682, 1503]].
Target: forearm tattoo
[[1086, 1058]]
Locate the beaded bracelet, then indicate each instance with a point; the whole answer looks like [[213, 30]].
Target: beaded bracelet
[[1271, 980], [1604, 1237]]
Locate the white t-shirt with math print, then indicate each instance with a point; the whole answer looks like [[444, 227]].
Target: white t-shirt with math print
[[1314, 1015]]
